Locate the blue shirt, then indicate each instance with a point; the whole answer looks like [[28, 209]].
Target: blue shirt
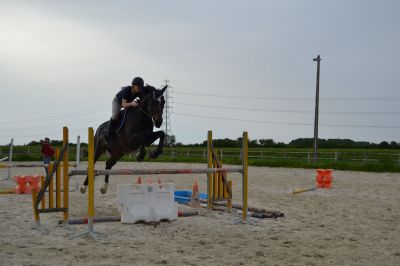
[[127, 94]]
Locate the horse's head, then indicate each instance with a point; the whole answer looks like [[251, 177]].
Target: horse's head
[[155, 103]]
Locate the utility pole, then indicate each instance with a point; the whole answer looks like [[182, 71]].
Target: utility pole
[[10, 157], [317, 59], [167, 113]]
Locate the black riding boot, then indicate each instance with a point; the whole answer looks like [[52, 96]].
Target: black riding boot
[[110, 128]]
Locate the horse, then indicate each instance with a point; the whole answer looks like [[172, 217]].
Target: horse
[[135, 133]]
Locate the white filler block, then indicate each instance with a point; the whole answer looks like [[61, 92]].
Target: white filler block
[[146, 202]]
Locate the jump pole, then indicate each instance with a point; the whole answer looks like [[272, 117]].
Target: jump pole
[[159, 171], [47, 183], [77, 161], [65, 174], [90, 172], [209, 166], [245, 150], [51, 188], [10, 157], [58, 185], [209, 171], [32, 165]]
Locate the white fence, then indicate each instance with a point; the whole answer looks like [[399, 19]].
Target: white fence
[[255, 154], [291, 155]]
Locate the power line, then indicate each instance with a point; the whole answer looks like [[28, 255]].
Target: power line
[[284, 123], [57, 116], [390, 99], [52, 135], [47, 124], [283, 111], [239, 97], [287, 84], [242, 108]]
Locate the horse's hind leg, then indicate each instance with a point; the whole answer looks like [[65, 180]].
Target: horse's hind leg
[[109, 164], [97, 154]]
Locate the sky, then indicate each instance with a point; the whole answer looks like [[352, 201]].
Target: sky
[[232, 66]]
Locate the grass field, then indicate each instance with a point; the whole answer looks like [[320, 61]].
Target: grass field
[[370, 160]]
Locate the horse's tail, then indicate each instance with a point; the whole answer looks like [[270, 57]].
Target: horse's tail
[[99, 144], [96, 140], [97, 136]]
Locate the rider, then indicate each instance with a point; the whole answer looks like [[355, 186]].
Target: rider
[[128, 96], [47, 152]]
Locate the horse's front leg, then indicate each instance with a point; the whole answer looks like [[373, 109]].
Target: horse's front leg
[[153, 137], [142, 153], [136, 141]]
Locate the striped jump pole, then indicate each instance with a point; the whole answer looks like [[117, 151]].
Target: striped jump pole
[[16, 165], [31, 165], [159, 171]]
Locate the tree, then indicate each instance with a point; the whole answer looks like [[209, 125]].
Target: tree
[[384, 145], [170, 140], [179, 144], [35, 143], [393, 145], [267, 143], [301, 143], [253, 143]]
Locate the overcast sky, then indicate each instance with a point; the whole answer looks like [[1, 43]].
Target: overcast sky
[[233, 66]]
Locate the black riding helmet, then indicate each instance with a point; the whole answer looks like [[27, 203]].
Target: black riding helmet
[[138, 81]]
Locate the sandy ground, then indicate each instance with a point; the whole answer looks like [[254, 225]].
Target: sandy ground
[[356, 222]]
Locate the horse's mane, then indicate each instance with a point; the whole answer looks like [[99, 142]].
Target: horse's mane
[[148, 89]]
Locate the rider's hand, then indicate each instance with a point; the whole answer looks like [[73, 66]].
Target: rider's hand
[[134, 104], [137, 100]]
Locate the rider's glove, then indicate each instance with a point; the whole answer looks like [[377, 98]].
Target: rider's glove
[[137, 100]]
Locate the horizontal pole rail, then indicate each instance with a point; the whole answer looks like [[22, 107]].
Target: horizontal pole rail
[[52, 210], [158, 171], [6, 165]]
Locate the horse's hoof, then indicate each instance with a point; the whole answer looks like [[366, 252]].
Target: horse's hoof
[[103, 189], [83, 189], [140, 157], [154, 154]]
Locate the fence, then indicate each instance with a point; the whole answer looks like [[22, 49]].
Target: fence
[[34, 153], [292, 155]]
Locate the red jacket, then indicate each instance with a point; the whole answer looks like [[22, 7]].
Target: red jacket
[[47, 150]]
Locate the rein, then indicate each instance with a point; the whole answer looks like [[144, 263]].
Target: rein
[[142, 109]]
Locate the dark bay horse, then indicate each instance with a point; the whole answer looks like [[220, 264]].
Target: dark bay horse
[[135, 133]]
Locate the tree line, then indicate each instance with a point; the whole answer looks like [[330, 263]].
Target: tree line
[[299, 143]]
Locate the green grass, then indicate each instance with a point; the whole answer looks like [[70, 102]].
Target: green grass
[[341, 165], [293, 163], [377, 160]]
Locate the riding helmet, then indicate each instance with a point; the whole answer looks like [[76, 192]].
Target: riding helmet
[[138, 81]]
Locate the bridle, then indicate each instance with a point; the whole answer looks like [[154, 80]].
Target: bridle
[[149, 112]]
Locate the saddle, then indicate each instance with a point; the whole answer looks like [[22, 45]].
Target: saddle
[[114, 132]]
